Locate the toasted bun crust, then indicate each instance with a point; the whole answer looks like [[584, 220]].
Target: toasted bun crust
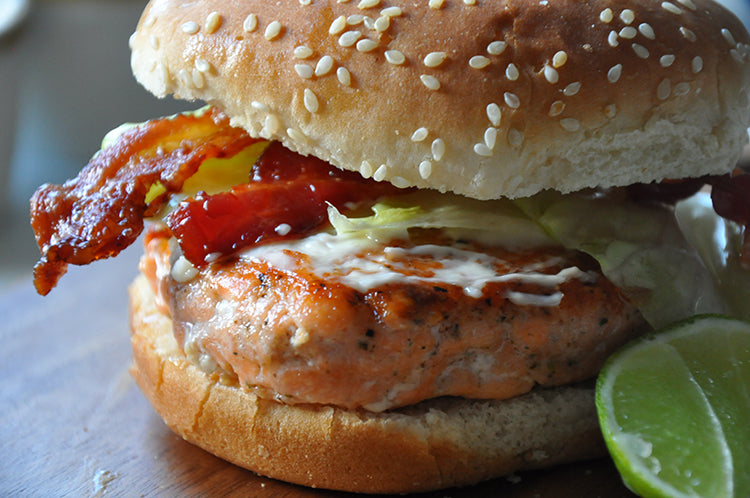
[[543, 95], [437, 444]]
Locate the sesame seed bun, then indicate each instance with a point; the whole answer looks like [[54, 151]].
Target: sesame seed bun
[[435, 444], [543, 95]]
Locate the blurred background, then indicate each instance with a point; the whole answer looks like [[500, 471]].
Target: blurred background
[[65, 81]]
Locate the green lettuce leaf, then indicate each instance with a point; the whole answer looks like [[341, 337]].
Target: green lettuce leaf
[[641, 248]]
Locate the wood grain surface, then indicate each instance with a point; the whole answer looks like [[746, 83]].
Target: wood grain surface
[[73, 422]]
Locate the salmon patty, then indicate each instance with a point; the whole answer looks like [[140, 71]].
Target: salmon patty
[[392, 325]]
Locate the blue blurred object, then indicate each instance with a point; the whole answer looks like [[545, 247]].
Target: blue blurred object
[[741, 8]]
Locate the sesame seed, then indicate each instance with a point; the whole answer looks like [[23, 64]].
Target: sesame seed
[[670, 7], [572, 89], [664, 89], [305, 2], [425, 169], [251, 23], [556, 108], [184, 76], [271, 124], [697, 64], [199, 81], [682, 88], [355, 19], [479, 62], [435, 4], [149, 22], [430, 81], [627, 16], [688, 34], [303, 52], [344, 76], [515, 137], [258, 106], [400, 182], [666, 60], [434, 59], [470, 2], [512, 100], [272, 30], [419, 134], [304, 71], [311, 101], [296, 135], [337, 26], [728, 37], [213, 22], [606, 15], [283, 229], [494, 114], [628, 32], [394, 57], [163, 72], [559, 59], [368, 4], [202, 65], [511, 72], [570, 124], [366, 45], [481, 149], [438, 149], [365, 169], [382, 24], [647, 31], [640, 51], [391, 12], [614, 73], [153, 41], [380, 173], [349, 38], [369, 23], [610, 111], [551, 74], [190, 28], [324, 65], [496, 47], [612, 39], [687, 3], [490, 137]]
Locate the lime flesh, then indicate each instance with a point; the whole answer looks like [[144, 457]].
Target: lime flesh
[[675, 410]]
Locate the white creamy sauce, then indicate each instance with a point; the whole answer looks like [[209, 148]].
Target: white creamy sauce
[[345, 259]]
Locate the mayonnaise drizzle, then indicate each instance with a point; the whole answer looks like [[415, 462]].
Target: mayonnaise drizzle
[[345, 259]]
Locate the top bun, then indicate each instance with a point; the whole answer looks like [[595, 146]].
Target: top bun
[[482, 98]]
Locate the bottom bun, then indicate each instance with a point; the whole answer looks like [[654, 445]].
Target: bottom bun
[[436, 444]]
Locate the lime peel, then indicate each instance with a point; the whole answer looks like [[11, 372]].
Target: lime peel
[[673, 408]]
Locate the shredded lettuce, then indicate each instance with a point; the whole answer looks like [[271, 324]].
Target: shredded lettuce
[[497, 222], [641, 248], [718, 241], [671, 262]]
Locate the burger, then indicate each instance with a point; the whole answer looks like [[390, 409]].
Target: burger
[[398, 242]]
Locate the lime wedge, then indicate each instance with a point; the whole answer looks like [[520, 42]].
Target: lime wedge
[[674, 409]]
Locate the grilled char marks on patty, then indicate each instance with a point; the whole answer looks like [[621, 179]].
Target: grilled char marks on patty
[[291, 334]]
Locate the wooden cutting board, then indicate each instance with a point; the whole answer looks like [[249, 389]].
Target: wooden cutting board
[[73, 422]]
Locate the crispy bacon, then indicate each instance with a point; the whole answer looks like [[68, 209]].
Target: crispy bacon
[[100, 212], [286, 198]]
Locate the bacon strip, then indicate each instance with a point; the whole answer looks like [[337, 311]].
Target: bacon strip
[[100, 212], [286, 198]]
